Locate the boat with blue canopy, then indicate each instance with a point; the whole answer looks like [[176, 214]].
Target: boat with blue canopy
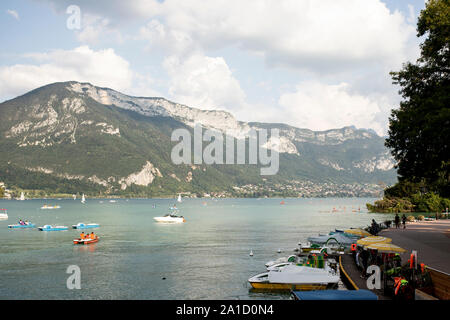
[[81, 225], [22, 226], [360, 294], [48, 227]]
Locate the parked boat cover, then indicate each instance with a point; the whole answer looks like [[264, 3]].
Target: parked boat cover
[[361, 294], [338, 237]]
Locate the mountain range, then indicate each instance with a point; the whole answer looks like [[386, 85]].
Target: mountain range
[[71, 137]]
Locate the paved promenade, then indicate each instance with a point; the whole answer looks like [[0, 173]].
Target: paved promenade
[[431, 239]]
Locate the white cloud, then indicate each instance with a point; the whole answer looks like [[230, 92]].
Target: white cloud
[[317, 35], [96, 29], [13, 13], [323, 36], [102, 68], [321, 106], [204, 82]]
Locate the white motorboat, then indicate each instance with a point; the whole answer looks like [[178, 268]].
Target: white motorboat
[[3, 214], [295, 277], [171, 217]]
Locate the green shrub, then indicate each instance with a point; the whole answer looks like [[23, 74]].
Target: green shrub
[[410, 218], [391, 205], [420, 217]]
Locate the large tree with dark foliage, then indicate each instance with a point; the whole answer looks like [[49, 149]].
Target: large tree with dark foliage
[[419, 131]]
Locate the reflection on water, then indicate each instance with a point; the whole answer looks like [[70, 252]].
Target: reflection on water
[[136, 258]]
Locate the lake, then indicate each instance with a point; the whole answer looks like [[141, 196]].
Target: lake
[[137, 258]]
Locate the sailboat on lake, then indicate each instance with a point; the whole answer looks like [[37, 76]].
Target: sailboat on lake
[[83, 199], [179, 198]]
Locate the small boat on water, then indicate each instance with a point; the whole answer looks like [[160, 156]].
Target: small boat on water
[[171, 217], [21, 226], [83, 199], [3, 214], [48, 227], [46, 206], [86, 241], [179, 198], [22, 196], [81, 225]]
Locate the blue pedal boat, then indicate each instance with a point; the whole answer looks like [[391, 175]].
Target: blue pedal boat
[[48, 227], [361, 294], [85, 226], [21, 226]]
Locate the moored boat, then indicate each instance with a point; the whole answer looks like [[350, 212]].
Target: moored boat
[[48, 227], [333, 240], [291, 258], [295, 277], [81, 225]]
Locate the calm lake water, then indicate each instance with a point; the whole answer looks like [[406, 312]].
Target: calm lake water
[[205, 258]]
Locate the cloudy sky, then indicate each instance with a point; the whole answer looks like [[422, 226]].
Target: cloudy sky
[[316, 64]]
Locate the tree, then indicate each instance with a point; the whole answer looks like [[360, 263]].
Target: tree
[[419, 131], [2, 192]]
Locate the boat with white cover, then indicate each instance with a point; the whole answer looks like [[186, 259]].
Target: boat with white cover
[[296, 277]]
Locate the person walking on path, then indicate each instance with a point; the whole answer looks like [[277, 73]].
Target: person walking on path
[[397, 221], [364, 259], [404, 221]]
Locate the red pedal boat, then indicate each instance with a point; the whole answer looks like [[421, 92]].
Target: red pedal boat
[[85, 241]]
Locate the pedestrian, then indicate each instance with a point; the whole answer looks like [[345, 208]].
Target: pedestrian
[[404, 221], [397, 221], [364, 259]]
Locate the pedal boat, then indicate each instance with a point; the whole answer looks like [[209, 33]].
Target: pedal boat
[[86, 241], [294, 277], [85, 226], [21, 226], [45, 206], [48, 227]]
